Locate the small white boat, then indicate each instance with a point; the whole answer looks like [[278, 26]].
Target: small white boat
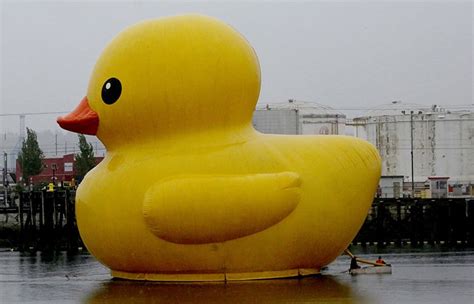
[[387, 269]]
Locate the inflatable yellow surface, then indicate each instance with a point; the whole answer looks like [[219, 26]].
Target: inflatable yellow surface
[[188, 189]]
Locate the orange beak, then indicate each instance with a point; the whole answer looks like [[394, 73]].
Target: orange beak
[[82, 120]]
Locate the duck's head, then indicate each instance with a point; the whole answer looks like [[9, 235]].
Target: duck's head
[[167, 76]]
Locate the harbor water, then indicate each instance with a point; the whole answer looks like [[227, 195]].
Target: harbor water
[[418, 277]]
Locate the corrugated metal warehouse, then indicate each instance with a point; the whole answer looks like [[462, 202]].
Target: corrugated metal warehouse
[[298, 117]]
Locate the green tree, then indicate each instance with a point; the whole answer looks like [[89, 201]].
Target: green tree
[[84, 161], [30, 157]]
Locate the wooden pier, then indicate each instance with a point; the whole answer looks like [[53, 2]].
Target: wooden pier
[[416, 222], [44, 221]]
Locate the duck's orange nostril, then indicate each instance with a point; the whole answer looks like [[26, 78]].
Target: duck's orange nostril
[[82, 120]]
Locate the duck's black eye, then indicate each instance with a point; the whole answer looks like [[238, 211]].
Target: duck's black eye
[[111, 90]]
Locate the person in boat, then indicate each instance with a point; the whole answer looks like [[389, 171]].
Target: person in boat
[[354, 264], [380, 261]]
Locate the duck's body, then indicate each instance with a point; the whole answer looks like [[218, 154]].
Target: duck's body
[[312, 232], [223, 202]]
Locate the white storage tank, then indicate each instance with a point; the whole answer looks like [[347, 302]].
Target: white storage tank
[[298, 117], [443, 140]]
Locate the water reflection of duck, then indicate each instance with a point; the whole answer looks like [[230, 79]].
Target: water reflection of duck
[[307, 290], [188, 189]]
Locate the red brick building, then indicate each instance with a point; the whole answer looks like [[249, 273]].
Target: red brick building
[[61, 168]]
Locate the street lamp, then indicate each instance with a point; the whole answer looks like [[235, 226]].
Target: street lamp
[[411, 153]]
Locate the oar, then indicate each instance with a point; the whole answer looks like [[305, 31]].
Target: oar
[[370, 262], [346, 251]]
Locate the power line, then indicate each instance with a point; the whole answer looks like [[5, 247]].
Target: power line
[[387, 107], [33, 113]]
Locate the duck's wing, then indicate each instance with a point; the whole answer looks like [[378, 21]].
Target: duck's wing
[[208, 209]]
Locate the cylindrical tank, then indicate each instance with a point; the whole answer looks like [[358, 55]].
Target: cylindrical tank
[[443, 140]]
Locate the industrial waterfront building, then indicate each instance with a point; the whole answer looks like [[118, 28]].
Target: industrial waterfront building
[[55, 170], [440, 140], [298, 117], [436, 142]]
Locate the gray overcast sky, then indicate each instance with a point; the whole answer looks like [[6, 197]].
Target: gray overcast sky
[[343, 54]]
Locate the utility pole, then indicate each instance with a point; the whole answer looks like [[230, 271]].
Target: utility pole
[[5, 178], [411, 152], [56, 143]]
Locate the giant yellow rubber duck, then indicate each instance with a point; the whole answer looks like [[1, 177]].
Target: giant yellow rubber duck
[[188, 189]]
